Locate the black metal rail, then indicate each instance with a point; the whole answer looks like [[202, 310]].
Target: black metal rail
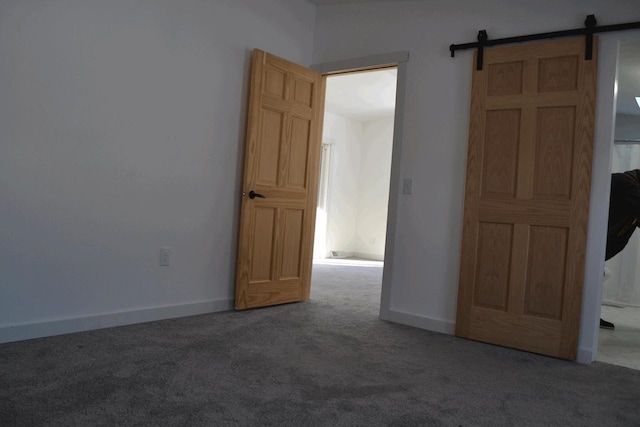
[[588, 31]]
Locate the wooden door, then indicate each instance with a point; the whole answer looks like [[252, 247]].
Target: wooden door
[[279, 190], [527, 197]]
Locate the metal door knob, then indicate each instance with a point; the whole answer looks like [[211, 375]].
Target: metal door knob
[[253, 195]]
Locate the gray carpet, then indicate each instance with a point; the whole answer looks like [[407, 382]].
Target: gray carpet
[[329, 361]]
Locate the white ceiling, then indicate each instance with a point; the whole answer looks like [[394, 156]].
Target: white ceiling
[[628, 78], [362, 96], [371, 95], [358, 103]]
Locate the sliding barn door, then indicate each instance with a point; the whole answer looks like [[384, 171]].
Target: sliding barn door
[[280, 183], [527, 197]]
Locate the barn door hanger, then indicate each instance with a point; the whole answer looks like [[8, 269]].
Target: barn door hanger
[[590, 28]]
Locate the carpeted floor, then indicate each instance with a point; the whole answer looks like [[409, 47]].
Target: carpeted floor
[[328, 361]]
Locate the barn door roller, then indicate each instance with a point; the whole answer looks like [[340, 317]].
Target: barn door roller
[[590, 28]]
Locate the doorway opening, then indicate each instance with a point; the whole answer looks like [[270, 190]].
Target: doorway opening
[[355, 174], [621, 288]]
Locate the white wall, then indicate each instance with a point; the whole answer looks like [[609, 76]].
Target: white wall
[[121, 131], [429, 222], [373, 191], [627, 126], [623, 287], [358, 190], [342, 206]]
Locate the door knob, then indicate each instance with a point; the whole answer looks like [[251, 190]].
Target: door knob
[[253, 195]]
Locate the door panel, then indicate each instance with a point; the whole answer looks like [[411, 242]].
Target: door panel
[[281, 165], [527, 197], [505, 78], [558, 73], [270, 140], [292, 241], [554, 152], [501, 153], [262, 237], [297, 162], [546, 272], [303, 92], [495, 242]]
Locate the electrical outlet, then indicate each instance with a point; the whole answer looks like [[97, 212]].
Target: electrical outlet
[[165, 257], [407, 186]]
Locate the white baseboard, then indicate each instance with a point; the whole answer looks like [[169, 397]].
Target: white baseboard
[[428, 323], [618, 304], [585, 356], [374, 257], [49, 328]]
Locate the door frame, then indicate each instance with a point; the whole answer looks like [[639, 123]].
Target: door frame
[[606, 98], [600, 180], [400, 60]]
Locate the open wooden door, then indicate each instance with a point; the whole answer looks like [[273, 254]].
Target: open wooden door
[[527, 197], [279, 190]]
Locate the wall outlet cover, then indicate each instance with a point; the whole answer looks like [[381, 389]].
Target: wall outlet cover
[[407, 186], [165, 257]]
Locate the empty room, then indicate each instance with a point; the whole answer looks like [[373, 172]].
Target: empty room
[[160, 171]]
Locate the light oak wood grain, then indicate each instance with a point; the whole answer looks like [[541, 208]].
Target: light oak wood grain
[[527, 197], [282, 151]]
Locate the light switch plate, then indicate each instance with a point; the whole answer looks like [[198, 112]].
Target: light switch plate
[[407, 186], [165, 257]]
